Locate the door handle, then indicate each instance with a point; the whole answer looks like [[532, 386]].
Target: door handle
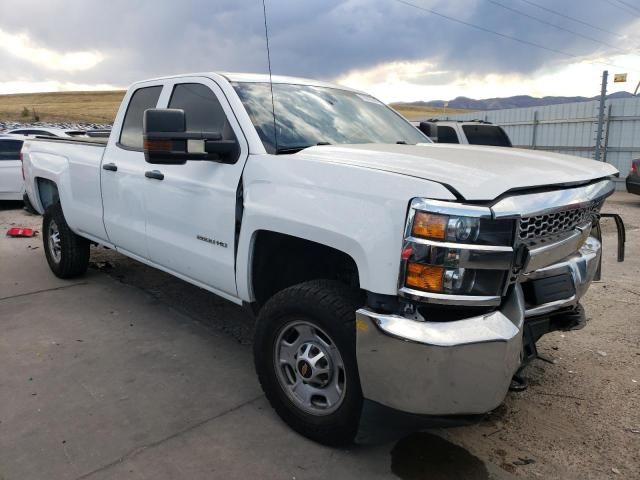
[[155, 174], [112, 167]]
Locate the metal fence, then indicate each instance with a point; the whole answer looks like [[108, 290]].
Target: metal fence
[[571, 128]]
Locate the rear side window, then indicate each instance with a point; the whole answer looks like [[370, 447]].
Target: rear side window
[[32, 132], [202, 109], [42, 133], [141, 100], [486, 135], [10, 149], [447, 135]]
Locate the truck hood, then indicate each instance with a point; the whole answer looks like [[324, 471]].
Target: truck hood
[[475, 172]]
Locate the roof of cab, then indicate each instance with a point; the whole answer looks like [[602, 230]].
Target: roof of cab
[[260, 78]]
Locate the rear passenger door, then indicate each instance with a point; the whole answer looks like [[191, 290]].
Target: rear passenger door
[[122, 175], [191, 211]]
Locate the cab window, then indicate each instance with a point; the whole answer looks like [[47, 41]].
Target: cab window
[[203, 112], [486, 135], [141, 100], [447, 135]]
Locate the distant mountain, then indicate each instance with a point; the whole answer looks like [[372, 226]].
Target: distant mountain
[[518, 101]]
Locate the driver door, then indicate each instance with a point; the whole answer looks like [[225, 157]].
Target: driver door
[[191, 208]]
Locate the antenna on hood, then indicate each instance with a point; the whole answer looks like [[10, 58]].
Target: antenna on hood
[[273, 105]]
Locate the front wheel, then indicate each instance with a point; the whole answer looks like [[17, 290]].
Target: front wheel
[[66, 252], [305, 357]]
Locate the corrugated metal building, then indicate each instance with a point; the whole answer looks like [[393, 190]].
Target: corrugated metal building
[[571, 128]]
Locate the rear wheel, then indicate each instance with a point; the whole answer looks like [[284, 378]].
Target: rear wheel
[[305, 357], [66, 252]]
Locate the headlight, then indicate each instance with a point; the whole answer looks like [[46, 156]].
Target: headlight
[[454, 249], [442, 227], [462, 229]]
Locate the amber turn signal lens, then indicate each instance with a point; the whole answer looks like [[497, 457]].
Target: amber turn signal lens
[[158, 145], [429, 225], [424, 277]]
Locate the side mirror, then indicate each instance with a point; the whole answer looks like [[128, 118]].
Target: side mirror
[[430, 129], [167, 142]]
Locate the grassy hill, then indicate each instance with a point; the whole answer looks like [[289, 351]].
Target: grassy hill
[[419, 112], [99, 107]]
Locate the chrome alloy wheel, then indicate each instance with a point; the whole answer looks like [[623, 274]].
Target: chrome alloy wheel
[[310, 368], [55, 248]]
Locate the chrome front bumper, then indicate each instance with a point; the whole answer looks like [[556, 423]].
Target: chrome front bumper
[[582, 267], [457, 367]]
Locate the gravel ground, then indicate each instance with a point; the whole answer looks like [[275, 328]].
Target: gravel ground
[[580, 416]]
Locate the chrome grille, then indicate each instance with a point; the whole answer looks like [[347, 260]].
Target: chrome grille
[[544, 225]]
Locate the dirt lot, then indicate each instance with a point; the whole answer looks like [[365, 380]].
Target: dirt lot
[[579, 418]]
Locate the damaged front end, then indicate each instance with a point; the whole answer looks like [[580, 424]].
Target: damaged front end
[[478, 287]]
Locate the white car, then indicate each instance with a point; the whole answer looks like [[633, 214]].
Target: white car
[[11, 181], [386, 272], [47, 132]]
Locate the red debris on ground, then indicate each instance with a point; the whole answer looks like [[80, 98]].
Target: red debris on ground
[[21, 232]]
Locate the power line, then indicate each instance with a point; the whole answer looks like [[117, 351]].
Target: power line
[[487, 30], [629, 5], [542, 7], [503, 35], [625, 7], [537, 19]]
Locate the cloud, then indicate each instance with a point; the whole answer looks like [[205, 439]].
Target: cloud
[[121, 41], [411, 81], [53, 86], [22, 47]]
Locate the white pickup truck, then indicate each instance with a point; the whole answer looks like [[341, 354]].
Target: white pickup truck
[[384, 269]]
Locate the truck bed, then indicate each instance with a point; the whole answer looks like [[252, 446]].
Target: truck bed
[[73, 165]]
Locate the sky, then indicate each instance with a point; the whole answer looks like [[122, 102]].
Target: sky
[[397, 50]]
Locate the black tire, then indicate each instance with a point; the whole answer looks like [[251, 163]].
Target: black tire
[[72, 257], [329, 306], [27, 204]]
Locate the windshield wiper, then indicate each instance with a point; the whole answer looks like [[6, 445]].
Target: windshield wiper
[[297, 149]]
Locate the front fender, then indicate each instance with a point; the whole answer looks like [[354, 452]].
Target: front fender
[[360, 212]]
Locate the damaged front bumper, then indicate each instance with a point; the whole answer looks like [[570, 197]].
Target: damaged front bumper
[[464, 366]]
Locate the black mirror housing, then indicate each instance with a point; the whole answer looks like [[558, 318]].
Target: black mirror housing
[[167, 142], [164, 120]]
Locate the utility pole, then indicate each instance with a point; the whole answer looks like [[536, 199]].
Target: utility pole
[[603, 97]]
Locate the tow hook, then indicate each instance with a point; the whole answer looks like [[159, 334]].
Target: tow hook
[[622, 238]]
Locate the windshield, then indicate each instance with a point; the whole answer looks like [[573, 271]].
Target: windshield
[[309, 115]]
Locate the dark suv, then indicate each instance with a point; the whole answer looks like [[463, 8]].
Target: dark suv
[[633, 179]]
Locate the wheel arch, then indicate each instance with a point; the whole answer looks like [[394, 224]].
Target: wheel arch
[[47, 192], [279, 260]]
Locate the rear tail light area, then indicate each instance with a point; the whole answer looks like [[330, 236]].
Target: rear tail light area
[[22, 166], [634, 167]]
